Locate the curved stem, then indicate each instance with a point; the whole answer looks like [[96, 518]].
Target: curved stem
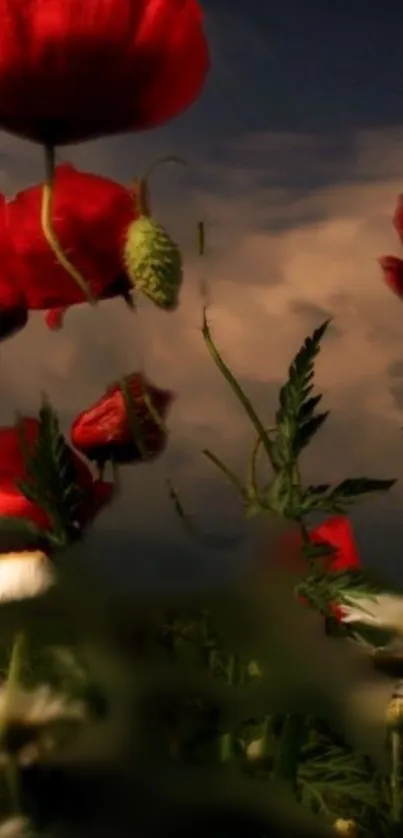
[[142, 196], [48, 231], [237, 390], [140, 185], [251, 482], [226, 471], [168, 158]]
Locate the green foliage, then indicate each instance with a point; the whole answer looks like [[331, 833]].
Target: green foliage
[[183, 700], [296, 423], [51, 476], [339, 498], [296, 420], [342, 781]]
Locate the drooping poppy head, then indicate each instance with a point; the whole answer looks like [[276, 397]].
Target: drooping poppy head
[[392, 268], [74, 71], [13, 502], [91, 215], [125, 425]]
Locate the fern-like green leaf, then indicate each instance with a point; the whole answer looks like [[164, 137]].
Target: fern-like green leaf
[[51, 479], [339, 498], [295, 418]]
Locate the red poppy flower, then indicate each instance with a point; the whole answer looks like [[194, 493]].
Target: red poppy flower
[[71, 71], [398, 217], [105, 432], [91, 215], [336, 532], [393, 273], [13, 309], [13, 502]]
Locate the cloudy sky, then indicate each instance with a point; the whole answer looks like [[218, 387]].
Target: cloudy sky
[[295, 154]]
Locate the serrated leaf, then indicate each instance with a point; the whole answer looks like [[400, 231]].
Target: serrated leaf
[[308, 406], [295, 420], [357, 486], [306, 431], [340, 771], [339, 498], [50, 472]]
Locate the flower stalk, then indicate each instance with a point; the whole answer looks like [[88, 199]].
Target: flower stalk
[[48, 230]]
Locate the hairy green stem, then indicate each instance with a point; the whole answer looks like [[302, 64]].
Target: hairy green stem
[[48, 231]]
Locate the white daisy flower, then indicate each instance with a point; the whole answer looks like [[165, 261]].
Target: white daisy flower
[[24, 575], [14, 828], [26, 721], [386, 611], [38, 707]]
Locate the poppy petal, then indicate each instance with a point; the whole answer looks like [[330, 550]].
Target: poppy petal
[[338, 532], [132, 65], [393, 273], [91, 215], [54, 318]]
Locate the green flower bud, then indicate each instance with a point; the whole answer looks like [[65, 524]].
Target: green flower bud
[[153, 262]]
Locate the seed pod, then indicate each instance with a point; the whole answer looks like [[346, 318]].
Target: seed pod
[[153, 262]]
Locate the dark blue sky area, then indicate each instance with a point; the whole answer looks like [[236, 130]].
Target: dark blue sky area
[[308, 66]]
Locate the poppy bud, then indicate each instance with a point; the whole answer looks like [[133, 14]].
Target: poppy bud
[[153, 262], [105, 431]]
